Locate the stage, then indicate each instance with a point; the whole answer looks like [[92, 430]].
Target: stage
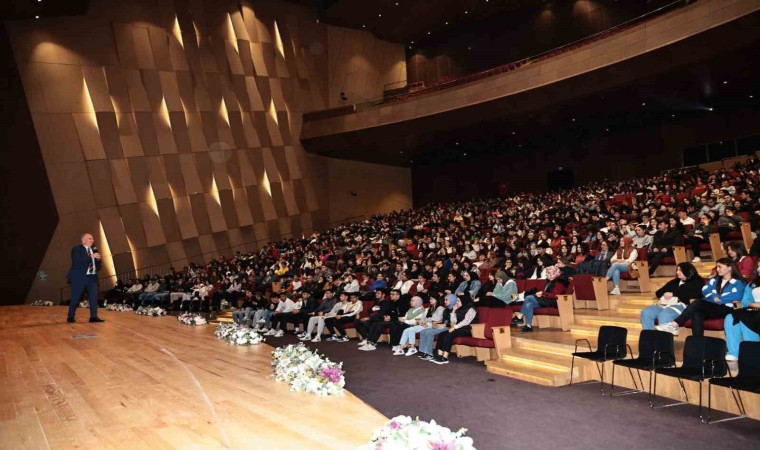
[[150, 382]]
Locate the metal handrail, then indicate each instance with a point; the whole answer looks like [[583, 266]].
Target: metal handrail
[[521, 62]]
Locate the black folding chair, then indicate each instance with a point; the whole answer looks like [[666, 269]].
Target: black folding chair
[[656, 350], [703, 358], [748, 379], [610, 346]]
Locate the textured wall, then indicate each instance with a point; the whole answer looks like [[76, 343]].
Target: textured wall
[[360, 65], [359, 189], [170, 128]]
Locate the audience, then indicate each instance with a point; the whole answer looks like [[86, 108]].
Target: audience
[[674, 297], [744, 324]]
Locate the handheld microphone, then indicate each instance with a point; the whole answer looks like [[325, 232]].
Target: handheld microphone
[[94, 249]]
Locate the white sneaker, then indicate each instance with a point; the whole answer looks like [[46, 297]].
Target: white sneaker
[[304, 337], [411, 351], [367, 348], [262, 321], [732, 358], [332, 339], [615, 291], [279, 333], [362, 343], [696, 259], [669, 328], [398, 352], [396, 348], [271, 332], [317, 339], [263, 330]]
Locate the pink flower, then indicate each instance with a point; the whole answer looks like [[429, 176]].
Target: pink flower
[[395, 426], [443, 445]]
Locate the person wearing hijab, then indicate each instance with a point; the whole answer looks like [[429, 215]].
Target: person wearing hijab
[[436, 327], [503, 292], [621, 263], [461, 319], [469, 286], [555, 285]]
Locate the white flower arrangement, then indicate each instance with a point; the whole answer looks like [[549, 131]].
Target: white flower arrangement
[[149, 311], [237, 334], [191, 319], [120, 307], [307, 371], [42, 303], [405, 433]]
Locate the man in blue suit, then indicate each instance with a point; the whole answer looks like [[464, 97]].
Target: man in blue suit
[[85, 262]]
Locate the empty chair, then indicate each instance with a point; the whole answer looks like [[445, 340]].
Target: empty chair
[[748, 379], [703, 358], [610, 346], [656, 350]]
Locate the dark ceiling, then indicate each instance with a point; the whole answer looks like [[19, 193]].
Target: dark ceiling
[[404, 21], [717, 69], [28, 9]]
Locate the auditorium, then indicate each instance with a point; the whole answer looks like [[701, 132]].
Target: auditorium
[[380, 224]]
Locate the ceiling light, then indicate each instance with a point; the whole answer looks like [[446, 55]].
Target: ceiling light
[[751, 96], [447, 23], [410, 47], [644, 104], [401, 152], [469, 48], [709, 109], [466, 12], [428, 33], [673, 116], [412, 42], [456, 143], [36, 17], [379, 15], [364, 26], [725, 82], [465, 153], [573, 119], [607, 129], [514, 132]]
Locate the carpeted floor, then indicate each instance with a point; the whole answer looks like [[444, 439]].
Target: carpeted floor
[[503, 413]]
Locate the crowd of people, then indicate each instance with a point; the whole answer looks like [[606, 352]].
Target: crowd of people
[[421, 269]]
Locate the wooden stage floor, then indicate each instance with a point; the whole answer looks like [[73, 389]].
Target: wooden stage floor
[[150, 382]]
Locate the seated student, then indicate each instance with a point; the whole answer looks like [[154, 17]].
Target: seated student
[[744, 324], [461, 319], [380, 317], [599, 264], [542, 299], [469, 286], [433, 315], [336, 325], [412, 317], [299, 317], [244, 312], [318, 316], [662, 245], [720, 293], [674, 296], [738, 253], [621, 262], [427, 336], [263, 315], [503, 293], [282, 315], [698, 236]]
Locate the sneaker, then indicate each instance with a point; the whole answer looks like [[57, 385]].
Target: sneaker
[[396, 347], [367, 348], [424, 356], [411, 351], [262, 321], [297, 332], [516, 321], [333, 339], [674, 330], [615, 291], [526, 329], [362, 343], [263, 330], [271, 332], [440, 360], [279, 333], [696, 259], [304, 337], [398, 352], [317, 339], [732, 358]]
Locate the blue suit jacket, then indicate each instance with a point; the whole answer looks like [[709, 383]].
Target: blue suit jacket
[[80, 261]]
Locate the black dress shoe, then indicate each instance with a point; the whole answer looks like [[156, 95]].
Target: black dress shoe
[[70, 320], [96, 319], [526, 329]]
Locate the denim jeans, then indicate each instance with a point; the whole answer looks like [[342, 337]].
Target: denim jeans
[[242, 316], [427, 338], [265, 314], [408, 336], [662, 314], [735, 334], [614, 272], [530, 304]]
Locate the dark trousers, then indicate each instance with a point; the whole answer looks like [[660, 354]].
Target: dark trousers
[[280, 321], [655, 258], [700, 310], [300, 320], [491, 302], [397, 328], [332, 324], [446, 339], [695, 242], [371, 329], [89, 283]]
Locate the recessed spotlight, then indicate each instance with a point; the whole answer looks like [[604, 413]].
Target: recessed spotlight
[[317, 20], [519, 145], [709, 109], [401, 152], [412, 42], [379, 15], [469, 48], [364, 26], [607, 129], [751, 96], [725, 82], [514, 132], [428, 33], [410, 47], [447, 23], [36, 17], [673, 116], [465, 153], [466, 12], [643, 104], [397, 5], [456, 143], [573, 119]]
